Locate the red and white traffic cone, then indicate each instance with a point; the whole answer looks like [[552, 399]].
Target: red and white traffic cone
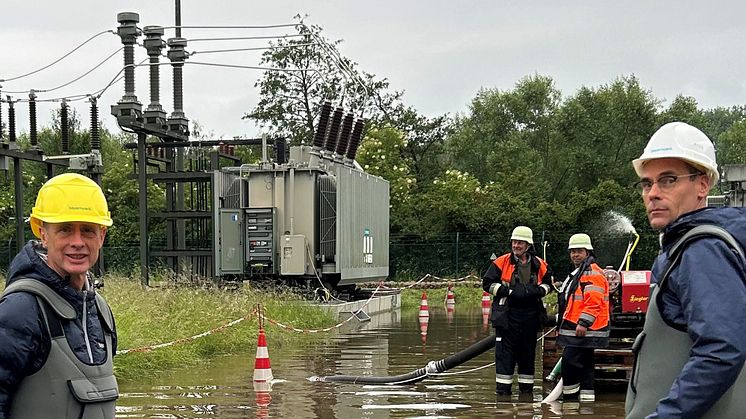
[[485, 318], [424, 311], [450, 297], [424, 317], [486, 299], [262, 369], [263, 399], [423, 328], [486, 308]]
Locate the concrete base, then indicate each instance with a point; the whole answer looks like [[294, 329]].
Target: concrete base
[[384, 301]]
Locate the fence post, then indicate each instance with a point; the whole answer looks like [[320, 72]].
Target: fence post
[[457, 245]]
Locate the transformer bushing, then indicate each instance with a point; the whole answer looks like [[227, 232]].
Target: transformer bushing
[[330, 143], [320, 134], [11, 124], [178, 124], [155, 116], [344, 135], [64, 128], [34, 139], [355, 138], [128, 109], [95, 137]]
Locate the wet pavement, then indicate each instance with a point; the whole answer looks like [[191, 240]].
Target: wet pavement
[[390, 344]]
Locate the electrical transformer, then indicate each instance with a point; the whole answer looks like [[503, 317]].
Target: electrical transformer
[[317, 217]]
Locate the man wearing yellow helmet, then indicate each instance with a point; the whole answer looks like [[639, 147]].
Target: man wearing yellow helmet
[[518, 281], [57, 333]]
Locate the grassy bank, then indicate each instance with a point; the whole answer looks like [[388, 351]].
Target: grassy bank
[[465, 293], [166, 313]]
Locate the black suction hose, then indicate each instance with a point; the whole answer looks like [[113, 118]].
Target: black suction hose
[[419, 374]]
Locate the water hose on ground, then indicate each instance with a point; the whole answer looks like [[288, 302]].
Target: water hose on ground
[[433, 367]]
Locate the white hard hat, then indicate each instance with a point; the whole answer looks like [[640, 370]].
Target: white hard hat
[[680, 140], [580, 241], [523, 233]]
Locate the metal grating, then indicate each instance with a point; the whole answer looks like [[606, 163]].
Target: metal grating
[[327, 188]]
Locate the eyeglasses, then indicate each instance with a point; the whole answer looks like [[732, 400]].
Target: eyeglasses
[[665, 183]]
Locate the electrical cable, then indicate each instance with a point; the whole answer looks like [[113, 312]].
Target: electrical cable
[[284, 25], [98, 93], [247, 49], [59, 59], [73, 80], [244, 38], [250, 67], [339, 60]]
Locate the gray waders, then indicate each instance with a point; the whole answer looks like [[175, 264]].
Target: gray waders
[[65, 387], [660, 359]]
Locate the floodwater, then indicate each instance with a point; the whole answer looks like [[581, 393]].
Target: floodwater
[[389, 344]]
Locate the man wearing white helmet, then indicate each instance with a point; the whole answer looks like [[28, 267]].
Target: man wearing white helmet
[[584, 326], [518, 281], [690, 355]]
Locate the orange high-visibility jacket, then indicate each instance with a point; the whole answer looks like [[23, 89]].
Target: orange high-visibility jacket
[[506, 264], [589, 307]]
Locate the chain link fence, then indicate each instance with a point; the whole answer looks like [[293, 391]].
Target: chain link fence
[[445, 255]]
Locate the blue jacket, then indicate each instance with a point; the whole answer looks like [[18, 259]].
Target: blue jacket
[[706, 297], [24, 340]]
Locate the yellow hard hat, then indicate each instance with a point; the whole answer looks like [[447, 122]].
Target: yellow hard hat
[[580, 241], [523, 233], [70, 197]]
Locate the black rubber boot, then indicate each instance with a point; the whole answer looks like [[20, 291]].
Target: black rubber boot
[[502, 389]]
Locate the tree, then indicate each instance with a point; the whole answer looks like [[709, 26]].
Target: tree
[[306, 72], [506, 131], [600, 131], [424, 138]]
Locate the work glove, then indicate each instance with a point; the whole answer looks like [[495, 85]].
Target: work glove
[[518, 292], [534, 291]]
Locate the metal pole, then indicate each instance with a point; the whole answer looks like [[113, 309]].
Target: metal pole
[[457, 244], [18, 183], [142, 181]]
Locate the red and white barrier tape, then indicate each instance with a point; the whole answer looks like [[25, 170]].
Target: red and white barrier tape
[[326, 329], [189, 339]]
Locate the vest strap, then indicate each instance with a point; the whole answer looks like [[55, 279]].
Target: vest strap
[[55, 301]]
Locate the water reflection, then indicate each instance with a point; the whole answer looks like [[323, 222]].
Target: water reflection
[[390, 344]]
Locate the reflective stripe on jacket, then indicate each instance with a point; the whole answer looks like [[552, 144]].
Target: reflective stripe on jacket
[[588, 306]]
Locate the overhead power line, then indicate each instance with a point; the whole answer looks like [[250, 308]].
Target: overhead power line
[[251, 67], [283, 25], [241, 38], [59, 59], [71, 81], [249, 49]]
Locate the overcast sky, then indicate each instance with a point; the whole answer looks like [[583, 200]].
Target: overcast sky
[[439, 52]]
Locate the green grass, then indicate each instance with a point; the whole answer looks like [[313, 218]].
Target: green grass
[[146, 317], [466, 294]]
